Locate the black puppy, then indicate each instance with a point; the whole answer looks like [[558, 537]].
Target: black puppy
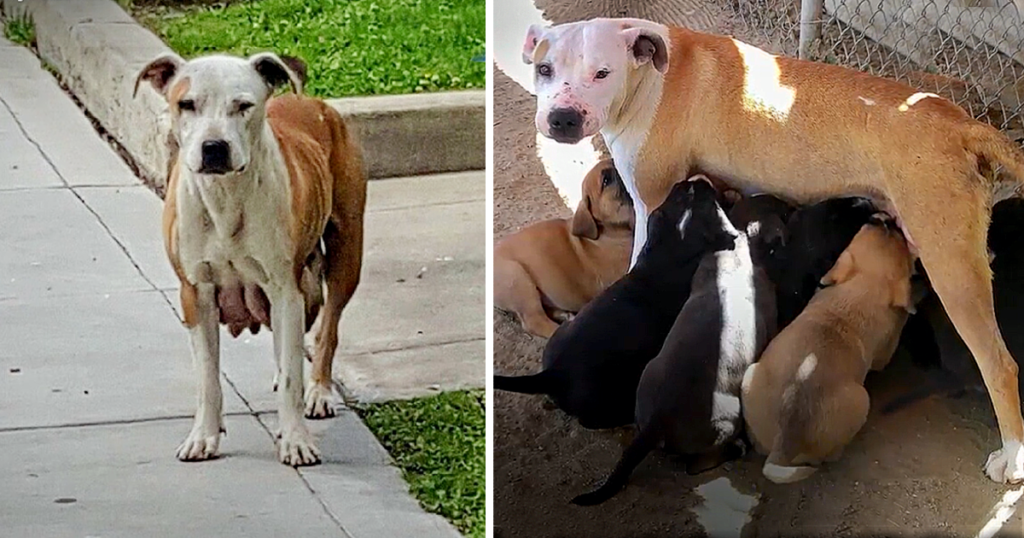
[[815, 237], [592, 364], [957, 371], [689, 395]]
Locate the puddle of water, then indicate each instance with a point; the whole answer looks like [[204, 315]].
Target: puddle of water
[[725, 511]]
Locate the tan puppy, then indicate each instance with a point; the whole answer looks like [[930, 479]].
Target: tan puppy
[[264, 210], [553, 268], [668, 100], [804, 400]]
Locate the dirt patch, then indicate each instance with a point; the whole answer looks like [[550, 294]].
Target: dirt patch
[[913, 473]]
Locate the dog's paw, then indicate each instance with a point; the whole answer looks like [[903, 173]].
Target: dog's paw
[[296, 448], [1006, 465], [199, 445], [320, 401]]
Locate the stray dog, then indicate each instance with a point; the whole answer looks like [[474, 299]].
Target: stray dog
[[804, 400], [958, 372], [668, 100], [549, 270], [264, 209], [815, 237], [689, 395], [593, 363]]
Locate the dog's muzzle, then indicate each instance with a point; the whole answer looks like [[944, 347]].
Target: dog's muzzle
[[566, 125], [216, 157]]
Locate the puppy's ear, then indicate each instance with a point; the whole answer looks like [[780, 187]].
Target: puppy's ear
[[903, 296], [533, 37], [159, 72], [274, 71], [583, 223], [841, 271], [647, 46]]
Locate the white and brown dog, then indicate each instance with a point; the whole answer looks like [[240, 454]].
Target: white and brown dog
[[264, 209], [669, 101]]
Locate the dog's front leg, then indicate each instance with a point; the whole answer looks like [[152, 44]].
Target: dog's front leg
[[204, 338], [287, 318]]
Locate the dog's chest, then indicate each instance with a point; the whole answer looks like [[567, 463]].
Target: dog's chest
[[737, 301], [233, 238]]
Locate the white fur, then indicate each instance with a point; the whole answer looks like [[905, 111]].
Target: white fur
[[230, 232], [786, 475], [204, 340], [806, 368], [735, 281], [1006, 465], [683, 222]]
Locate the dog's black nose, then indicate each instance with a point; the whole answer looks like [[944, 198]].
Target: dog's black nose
[[216, 157], [566, 124]]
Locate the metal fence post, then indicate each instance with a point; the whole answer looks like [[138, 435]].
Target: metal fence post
[[811, 13]]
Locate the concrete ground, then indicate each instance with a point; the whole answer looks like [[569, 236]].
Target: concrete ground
[[96, 384]]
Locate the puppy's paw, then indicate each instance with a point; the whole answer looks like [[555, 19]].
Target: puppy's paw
[[200, 445], [296, 448], [320, 401], [1006, 465]]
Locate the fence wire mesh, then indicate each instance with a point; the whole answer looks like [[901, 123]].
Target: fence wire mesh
[[970, 51]]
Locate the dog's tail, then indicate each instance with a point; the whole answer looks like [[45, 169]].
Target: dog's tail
[[541, 383], [635, 453], [994, 147]]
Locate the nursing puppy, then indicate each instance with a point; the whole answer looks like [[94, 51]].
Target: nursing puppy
[[815, 237], [549, 270], [688, 396], [593, 363], [804, 400], [958, 372]]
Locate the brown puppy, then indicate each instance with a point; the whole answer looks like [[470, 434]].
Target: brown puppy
[[553, 268], [804, 400], [668, 100]]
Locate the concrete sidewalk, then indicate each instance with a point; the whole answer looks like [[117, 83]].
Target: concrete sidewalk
[[96, 384]]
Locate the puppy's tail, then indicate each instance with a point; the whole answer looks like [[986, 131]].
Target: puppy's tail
[[542, 383], [994, 147], [635, 453]]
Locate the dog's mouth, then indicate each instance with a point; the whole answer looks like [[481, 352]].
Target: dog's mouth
[[220, 171]]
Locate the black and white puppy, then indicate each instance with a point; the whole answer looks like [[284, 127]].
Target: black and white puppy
[[815, 237], [957, 370], [593, 363], [689, 395]]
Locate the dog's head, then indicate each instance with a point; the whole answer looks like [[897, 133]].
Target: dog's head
[[581, 70], [689, 223], [880, 253], [218, 104], [763, 218], [605, 203]]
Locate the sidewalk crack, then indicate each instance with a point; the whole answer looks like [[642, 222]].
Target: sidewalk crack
[[64, 180]]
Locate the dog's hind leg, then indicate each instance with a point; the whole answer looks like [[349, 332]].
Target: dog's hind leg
[[515, 291], [952, 245]]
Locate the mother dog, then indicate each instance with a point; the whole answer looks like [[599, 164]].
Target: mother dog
[[668, 101]]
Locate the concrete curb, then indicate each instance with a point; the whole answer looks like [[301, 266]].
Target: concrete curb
[[98, 49]]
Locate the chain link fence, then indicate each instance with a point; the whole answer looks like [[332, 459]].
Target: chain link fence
[[970, 51]]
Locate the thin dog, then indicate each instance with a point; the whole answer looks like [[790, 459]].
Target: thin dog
[[668, 100]]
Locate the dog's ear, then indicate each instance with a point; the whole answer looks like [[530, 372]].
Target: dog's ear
[[841, 271], [275, 71], [583, 223], [647, 46], [298, 67], [533, 37], [159, 72]]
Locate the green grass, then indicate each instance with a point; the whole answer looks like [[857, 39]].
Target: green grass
[[439, 443], [353, 47], [20, 30]]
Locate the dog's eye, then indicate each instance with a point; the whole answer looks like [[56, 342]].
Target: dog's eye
[[544, 70], [243, 106], [606, 181], [187, 104], [601, 73]]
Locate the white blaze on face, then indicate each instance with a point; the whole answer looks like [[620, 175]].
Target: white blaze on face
[[683, 222]]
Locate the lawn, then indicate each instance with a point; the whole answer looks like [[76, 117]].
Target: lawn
[[439, 443], [353, 47]]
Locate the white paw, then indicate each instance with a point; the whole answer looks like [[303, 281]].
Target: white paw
[[320, 401], [296, 448], [1006, 465], [199, 445]]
